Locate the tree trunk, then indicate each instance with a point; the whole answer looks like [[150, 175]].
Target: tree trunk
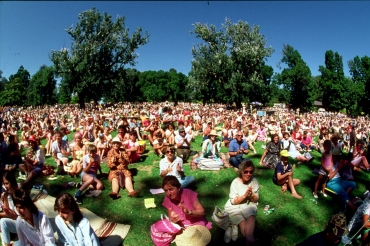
[[81, 100], [238, 105]]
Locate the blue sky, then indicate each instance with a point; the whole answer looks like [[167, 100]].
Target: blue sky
[[29, 31]]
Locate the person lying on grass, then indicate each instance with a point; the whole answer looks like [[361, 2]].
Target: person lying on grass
[[283, 175], [72, 227], [119, 174], [90, 168]]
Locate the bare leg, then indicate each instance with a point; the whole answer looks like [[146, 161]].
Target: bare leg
[[128, 184], [292, 188], [364, 161], [247, 229], [115, 185]]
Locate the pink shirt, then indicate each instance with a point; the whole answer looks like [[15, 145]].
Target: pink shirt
[[188, 197], [307, 140]]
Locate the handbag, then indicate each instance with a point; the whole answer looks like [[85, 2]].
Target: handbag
[[221, 218], [163, 232]]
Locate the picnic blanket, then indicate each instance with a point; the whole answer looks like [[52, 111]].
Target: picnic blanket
[[109, 233]]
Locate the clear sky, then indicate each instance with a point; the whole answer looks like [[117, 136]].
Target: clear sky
[[29, 31]]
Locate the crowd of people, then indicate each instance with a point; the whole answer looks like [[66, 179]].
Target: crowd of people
[[171, 131]]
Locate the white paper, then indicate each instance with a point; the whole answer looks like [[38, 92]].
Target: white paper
[[156, 191]]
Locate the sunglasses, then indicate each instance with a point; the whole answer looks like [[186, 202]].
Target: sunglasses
[[239, 135], [170, 151], [246, 172]]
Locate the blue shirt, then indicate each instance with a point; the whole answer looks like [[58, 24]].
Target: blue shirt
[[234, 146]]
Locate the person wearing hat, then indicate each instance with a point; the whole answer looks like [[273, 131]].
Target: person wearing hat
[[283, 175], [332, 235], [33, 164], [119, 175], [183, 142], [211, 146]]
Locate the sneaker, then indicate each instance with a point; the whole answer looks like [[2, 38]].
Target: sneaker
[[78, 199], [324, 194], [93, 193], [78, 185], [227, 236], [234, 233], [315, 196]]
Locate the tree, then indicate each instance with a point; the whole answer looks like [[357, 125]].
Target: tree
[[124, 88], [99, 50], [359, 69], [42, 87], [335, 86], [13, 93], [297, 79], [227, 66]]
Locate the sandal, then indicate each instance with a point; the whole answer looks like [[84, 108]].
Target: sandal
[[134, 194]]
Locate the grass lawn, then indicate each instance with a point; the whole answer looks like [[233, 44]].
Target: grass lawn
[[292, 221]]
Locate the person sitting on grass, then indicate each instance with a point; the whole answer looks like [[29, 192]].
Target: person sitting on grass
[[119, 174], [283, 175], [332, 235], [306, 143], [33, 163], [159, 145], [359, 159], [131, 146], [72, 227], [90, 168], [60, 149], [325, 169], [271, 155], [183, 142], [242, 204], [237, 148], [33, 227], [173, 165], [9, 214], [288, 145], [77, 154]]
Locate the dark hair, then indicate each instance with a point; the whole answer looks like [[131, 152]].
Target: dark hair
[[66, 201], [245, 164], [11, 138], [22, 198], [122, 127], [133, 132], [11, 178], [286, 133], [171, 181], [274, 136]]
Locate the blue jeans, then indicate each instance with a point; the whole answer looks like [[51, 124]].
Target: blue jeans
[[7, 227], [185, 181], [304, 146], [236, 160], [340, 187]]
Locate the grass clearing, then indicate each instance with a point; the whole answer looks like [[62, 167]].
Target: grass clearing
[[292, 221]]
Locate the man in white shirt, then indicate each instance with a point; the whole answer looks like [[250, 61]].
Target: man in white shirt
[[60, 149], [182, 141]]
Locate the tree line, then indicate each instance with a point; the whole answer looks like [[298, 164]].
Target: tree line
[[228, 66]]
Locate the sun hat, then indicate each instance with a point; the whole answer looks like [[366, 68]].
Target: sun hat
[[336, 151], [181, 129], [25, 125], [338, 225], [213, 133], [284, 153], [196, 235], [32, 138], [116, 140]]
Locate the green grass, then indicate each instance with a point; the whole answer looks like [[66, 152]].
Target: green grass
[[292, 221]]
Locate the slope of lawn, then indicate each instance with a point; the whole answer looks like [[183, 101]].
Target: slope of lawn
[[292, 221]]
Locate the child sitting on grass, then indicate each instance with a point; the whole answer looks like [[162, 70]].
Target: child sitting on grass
[[90, 165], [325, 169]]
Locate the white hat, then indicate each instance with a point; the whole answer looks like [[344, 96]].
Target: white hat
[[116, 140]]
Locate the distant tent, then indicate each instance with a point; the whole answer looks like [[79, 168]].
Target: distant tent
[[318, 104]]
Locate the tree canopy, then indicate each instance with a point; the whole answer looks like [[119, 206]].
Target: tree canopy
[[228, 65], [101, 48]]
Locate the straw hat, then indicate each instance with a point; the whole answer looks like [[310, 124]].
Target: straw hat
[[116, 140], [213, 133], [196, 235]]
